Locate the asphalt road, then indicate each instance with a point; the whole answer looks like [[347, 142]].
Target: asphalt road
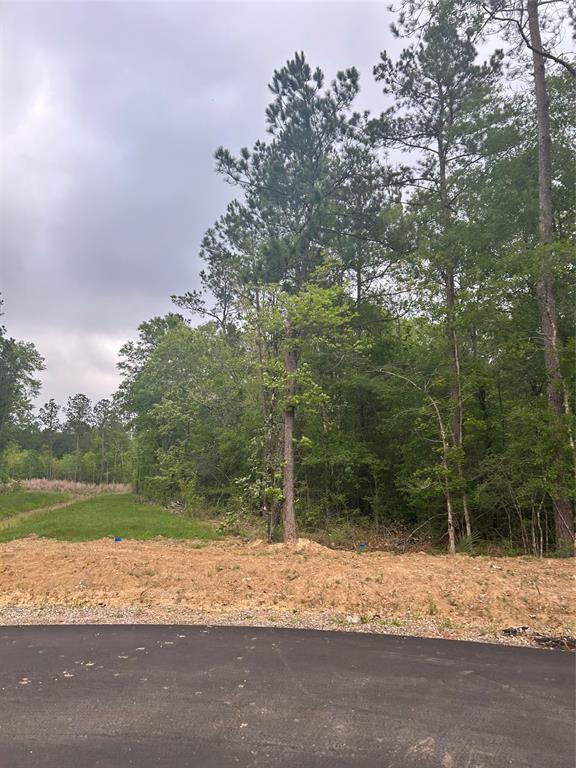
[[175, 696]]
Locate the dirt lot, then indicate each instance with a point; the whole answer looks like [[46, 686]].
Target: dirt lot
[[48, 581]]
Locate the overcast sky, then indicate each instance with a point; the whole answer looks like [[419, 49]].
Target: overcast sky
[[110, 115]]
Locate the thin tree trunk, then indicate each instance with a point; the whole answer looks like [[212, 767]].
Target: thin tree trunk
[[540, 534], [359, 286], [102, 457], [273, 447], [466, 508], [546, 220], [453, 347], [447, 492], [446, 466], [77, 468], [276, 504], [288, 513], [456, 392], [557, 397], [288, 478], [267, 419], [450, 514], [262, 388]]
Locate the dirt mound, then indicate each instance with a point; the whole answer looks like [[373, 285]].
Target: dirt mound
[[309, 546], [453, 594], [301, 547]]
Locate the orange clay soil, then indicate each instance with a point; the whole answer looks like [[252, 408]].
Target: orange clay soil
[[471, 596]]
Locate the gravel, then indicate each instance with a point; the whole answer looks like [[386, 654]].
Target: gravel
[[61, 614]]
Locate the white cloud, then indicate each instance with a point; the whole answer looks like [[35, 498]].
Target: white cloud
[[44, 141], [77, 362], [109, 117]]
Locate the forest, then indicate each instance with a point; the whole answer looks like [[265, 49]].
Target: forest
[[383, 331]]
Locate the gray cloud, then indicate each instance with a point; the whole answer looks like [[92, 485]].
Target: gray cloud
[[110, 115]]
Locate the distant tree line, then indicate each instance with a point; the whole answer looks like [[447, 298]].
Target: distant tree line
[[79, 442]]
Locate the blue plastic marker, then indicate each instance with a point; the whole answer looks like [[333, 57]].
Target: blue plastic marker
[[361, 547], [117, 538]]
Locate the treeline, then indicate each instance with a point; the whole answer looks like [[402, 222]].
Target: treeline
[[81, 442], [386, 309], [383, 341]]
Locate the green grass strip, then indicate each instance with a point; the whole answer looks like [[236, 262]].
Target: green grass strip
[[24, 501], [109, 515]]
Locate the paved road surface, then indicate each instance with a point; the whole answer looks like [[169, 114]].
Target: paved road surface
[[175, 696]]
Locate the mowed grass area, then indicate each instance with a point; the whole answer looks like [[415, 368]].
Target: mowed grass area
[[14, 502], [108, 515]]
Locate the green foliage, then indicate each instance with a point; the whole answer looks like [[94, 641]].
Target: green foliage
[[19, 364], [468, 545], [231, 523]]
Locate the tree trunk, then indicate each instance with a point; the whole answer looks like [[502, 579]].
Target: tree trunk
[[450, 514], [77, 467], [273, 448], [446, 467], [102, 458], [456, 391], [288, 513], [557, 398], [546, 220], [453, 347], [359, 286], [276, 505]]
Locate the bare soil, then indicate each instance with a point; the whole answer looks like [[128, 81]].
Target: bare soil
[[47, 581]]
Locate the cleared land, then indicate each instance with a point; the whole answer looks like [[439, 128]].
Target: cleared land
[[63, 566], [231, 582], [106, 515]]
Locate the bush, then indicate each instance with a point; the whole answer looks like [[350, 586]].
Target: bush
[[161, 489]]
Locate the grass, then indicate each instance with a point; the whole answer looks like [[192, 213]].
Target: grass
[[23, 501], [106, 516]]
